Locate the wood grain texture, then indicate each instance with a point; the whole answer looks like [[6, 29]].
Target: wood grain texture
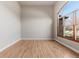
[[38, 49]]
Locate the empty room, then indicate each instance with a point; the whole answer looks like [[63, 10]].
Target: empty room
[[39, 29]]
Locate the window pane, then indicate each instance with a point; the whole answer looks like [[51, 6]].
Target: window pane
[[77, 32], [77, 25], [77, 17], [68, 31], [69, 7], [68, 20]]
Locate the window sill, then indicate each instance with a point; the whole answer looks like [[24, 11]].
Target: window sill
[[71, 39]]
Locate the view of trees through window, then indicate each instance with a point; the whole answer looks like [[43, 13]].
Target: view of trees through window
[[68, 21]]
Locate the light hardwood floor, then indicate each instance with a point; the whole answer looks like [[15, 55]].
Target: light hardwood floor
[[38, 49]]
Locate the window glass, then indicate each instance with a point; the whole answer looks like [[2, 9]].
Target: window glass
[[68, 20], [77, 17], [77, 25], [69, 7], [77, 32], [68, 31]]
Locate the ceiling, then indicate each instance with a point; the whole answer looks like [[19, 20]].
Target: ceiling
[[30, 3]]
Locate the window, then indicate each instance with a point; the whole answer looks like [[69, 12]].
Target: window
[[68, 21]]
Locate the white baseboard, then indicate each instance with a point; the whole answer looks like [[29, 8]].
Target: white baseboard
[[9, 45], [37, 38], [24, 39]]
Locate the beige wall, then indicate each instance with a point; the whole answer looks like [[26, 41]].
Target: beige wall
[[37, 22], [9, 23], [70, 44]]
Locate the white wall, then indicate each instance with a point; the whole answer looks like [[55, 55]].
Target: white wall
[[9, 23], [37, 22], [70, 44]]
